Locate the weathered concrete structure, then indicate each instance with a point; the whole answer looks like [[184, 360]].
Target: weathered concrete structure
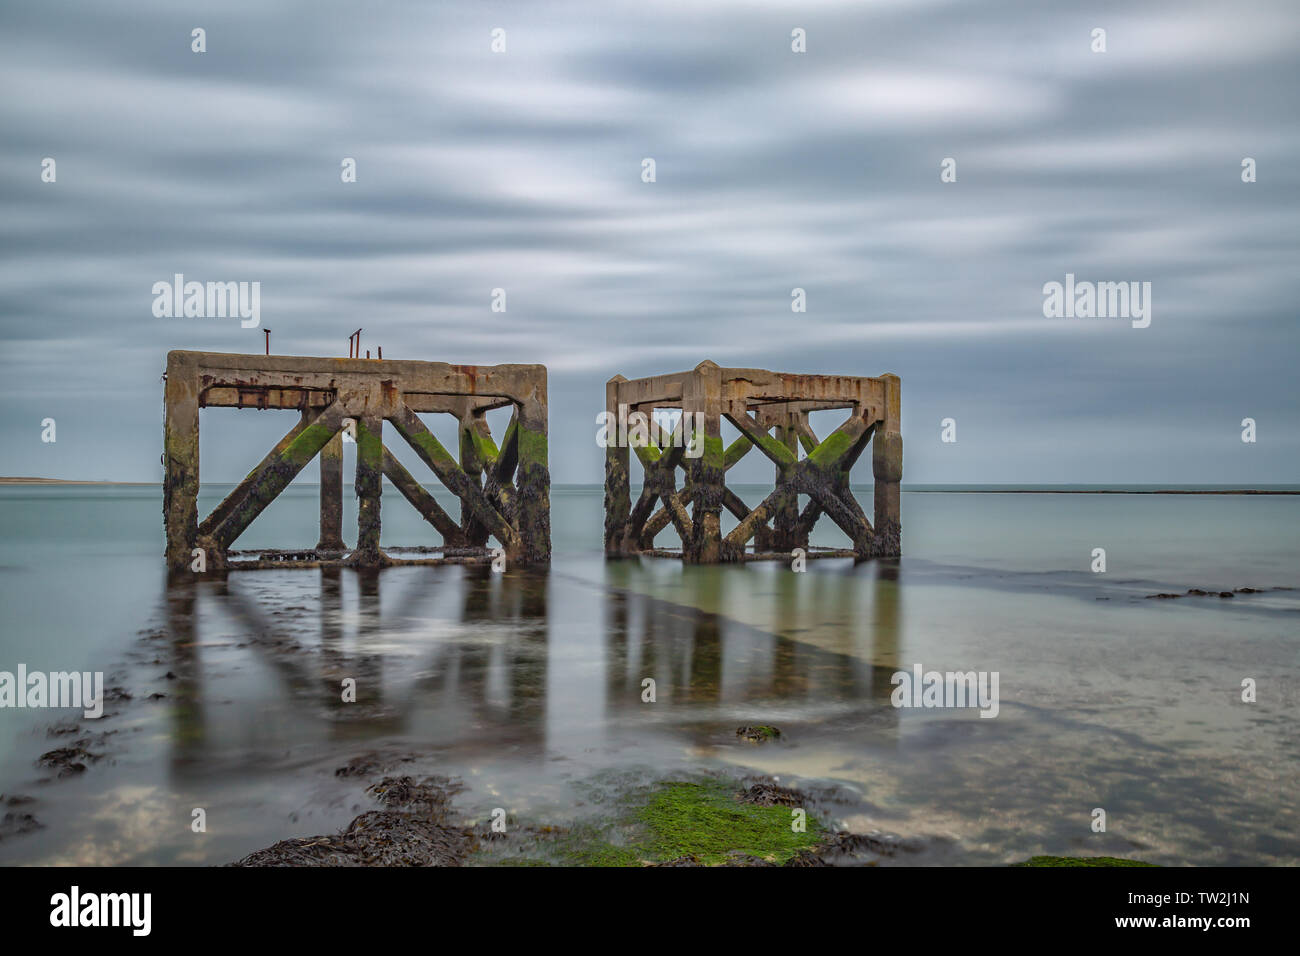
[[504, 491], [771, 411]]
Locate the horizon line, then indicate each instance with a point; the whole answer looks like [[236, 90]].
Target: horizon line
[[968, 487]]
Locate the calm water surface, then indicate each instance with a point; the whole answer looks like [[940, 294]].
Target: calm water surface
[[528, 686]]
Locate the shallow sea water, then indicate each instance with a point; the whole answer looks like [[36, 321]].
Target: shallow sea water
[[528, 686]]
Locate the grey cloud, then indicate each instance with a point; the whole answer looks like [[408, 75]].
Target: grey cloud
[[775, 171]]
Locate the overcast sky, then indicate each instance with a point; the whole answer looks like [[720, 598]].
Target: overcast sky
[[522, 170]]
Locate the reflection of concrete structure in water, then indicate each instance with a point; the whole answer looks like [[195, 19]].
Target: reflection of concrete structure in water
[[771, 411], [333, 395], [702, 661], [479, 684]]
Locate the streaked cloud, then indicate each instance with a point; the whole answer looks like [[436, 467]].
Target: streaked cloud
[[775, 170]]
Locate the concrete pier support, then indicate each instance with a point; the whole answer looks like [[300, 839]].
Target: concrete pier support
[[702, 400], [771, 410], [618, 493], [369, 487], [477, 453], [531, 447], [887, 468], [181, 460], [505, 492], [785, 535], [331, 495]]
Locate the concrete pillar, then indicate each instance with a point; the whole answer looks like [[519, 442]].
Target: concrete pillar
[[369, 486], [331, 494], [618, 493], [702, 396], [472, 429], [887, 468], [785, 515], [533, 479], [181, 460]]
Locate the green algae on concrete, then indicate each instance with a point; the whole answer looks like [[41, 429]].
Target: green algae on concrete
[[533, 497], [1080, 861]]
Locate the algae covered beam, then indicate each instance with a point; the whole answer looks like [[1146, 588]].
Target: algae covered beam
[[432, 453], [281, 468], [422, 501], [228, 505]]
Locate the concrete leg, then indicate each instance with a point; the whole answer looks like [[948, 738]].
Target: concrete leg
[[702, 396], [785, 534], [369, 486], [887, 468], [331, 495], [533, 509], [471, 462], [618, 492], [181, 461]]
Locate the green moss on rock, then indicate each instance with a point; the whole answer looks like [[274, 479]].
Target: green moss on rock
[[758, 733], [707, 821], [669, 821]]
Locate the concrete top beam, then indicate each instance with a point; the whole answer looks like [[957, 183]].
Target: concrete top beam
[[212, 370], [754, 387]]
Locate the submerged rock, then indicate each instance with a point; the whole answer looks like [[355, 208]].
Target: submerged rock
[[376, 838], [14, 824], [771, 795], [67, 760], [415, 830], [758, 734], [430, 795]]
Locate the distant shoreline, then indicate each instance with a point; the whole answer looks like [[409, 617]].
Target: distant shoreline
[[63, 481], [950, 490], [1094, 491]]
